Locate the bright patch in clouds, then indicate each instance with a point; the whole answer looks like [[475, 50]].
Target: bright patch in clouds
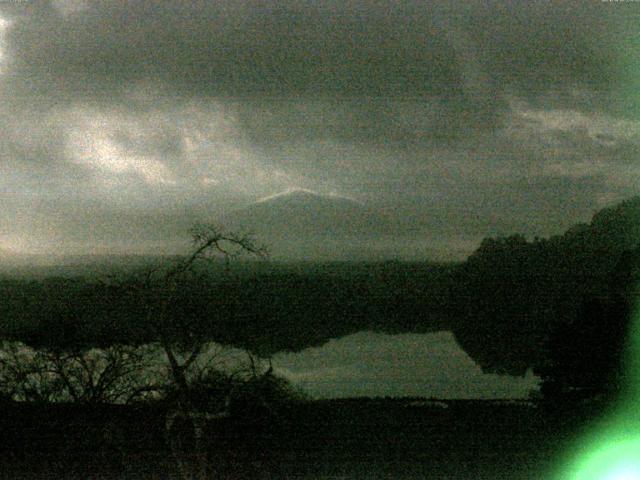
[[600, 127], [10, 244], [573, 144], [20, 244], [70, 7], [95, 149], [4, 26], [184, 147]]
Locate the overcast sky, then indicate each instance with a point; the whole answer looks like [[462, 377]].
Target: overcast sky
[[121, 123]]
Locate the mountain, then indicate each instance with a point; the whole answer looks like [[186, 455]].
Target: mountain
[[301, 224], [304, 225], [304, 213]]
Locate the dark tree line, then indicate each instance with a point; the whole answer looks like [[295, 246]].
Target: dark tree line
[[586, 355], [506, 304], [512, 297]]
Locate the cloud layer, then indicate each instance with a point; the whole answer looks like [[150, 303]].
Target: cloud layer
[[122, 123]]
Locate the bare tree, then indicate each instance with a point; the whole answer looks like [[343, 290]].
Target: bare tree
[[209, 242], [250, 393], [25, 375], [111, 375], [159, 288]]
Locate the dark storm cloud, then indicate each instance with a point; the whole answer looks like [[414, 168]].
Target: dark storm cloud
[[541, 205], [233, 48], [106, 52], [533, 206], [114, 112], [469, 55], [458, 62]]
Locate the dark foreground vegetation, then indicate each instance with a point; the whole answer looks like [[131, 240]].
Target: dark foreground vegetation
[[346, 439], [111, 375]]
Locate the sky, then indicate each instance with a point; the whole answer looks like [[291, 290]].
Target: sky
[[123, 123]]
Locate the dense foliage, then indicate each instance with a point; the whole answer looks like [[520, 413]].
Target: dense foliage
[[512, 294]]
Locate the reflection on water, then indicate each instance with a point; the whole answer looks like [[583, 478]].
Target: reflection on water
[[364, 364], [376, 364]]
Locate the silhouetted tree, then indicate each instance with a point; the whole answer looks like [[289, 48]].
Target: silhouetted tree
[[585, 355], [160, 288], [181, 334], [116, 374]]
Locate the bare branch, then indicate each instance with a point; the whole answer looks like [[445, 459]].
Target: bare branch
[[194, 354]]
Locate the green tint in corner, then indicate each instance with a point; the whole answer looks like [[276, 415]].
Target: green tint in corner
[[612, 450]]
